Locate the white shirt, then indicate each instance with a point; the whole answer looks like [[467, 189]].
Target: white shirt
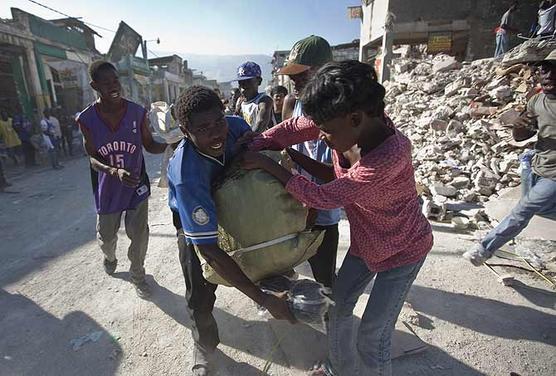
[[250, 112], [55, 124], [546, 20]]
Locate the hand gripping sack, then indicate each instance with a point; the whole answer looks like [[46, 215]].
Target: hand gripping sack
[[262, 226]]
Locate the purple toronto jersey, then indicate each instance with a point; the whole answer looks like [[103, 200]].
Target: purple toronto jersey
[[121, 148]]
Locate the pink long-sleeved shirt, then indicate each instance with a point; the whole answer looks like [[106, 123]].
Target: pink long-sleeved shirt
[[387, 228]]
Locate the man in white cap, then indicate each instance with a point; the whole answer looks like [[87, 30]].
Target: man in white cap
[[538, 176]]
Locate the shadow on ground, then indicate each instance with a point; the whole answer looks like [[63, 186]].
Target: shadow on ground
[[52, 217], [489, 316], [246, 336], [42, 345]]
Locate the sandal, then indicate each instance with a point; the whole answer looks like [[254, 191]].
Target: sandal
[[200, 370], [200, 361], [321, 369]]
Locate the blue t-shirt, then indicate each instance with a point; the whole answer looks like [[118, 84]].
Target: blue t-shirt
[[190, 177]]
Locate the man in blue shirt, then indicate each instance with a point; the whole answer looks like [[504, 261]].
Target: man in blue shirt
[[208, 146]]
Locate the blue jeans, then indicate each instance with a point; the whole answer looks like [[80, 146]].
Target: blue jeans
[[371, 354], [538, 197], [502, 43]]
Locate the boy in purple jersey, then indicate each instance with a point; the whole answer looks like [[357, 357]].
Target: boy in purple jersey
[[115, 131]]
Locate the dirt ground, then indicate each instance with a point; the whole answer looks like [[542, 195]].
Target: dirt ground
[[60, 314]]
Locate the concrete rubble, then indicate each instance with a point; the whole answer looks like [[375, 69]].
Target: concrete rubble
[[459, 118]]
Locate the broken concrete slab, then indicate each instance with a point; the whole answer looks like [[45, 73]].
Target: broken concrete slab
[[446, 63]]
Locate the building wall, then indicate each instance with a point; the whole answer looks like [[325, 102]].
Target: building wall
[[416, 10], [39, 44], [346, 53], [374, 15], [482, 15]]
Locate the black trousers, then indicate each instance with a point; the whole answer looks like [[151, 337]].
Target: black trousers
[[199, 294], [3, 181], [28, 153], [323, 263], [67, 141]]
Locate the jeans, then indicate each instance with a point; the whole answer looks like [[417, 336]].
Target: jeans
[[323, 263], [502, 43], [137, 230], [371, 353], [538, 197], [199, 294]]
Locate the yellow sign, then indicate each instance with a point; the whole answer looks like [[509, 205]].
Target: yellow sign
[[440, 42]]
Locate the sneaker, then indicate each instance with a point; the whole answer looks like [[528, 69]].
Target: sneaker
[[142, 289], [110, 266], [475, 256], [200, 361]]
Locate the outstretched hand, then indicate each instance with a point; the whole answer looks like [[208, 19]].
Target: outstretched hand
[[278, 307], [126, 178], [246, 138]]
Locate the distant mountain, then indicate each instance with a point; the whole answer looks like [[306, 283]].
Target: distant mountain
[[223, 68]]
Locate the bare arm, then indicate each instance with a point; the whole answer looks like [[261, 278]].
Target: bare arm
[[262, 122], [149, 143], [288, 106], [322, 171], [227, 268], [237, 108], [289, 132]]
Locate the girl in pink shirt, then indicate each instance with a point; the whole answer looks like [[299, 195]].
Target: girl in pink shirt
[[372, 178]]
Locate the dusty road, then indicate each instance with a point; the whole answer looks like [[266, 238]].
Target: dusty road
[[53, 291]]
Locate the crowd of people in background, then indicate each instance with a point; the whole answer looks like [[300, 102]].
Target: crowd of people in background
[[27, 141]]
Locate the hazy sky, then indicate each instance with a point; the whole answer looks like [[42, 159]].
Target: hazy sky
[[209, 26]]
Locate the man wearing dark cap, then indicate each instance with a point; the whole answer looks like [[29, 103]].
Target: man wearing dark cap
[[306, 57], [255, 107], [538, 174]]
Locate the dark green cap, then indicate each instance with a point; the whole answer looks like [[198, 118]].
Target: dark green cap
[[312, 51]]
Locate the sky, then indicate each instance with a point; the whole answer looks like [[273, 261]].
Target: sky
[[220, 27]]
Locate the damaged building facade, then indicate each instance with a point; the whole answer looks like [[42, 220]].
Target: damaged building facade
[[44, 63], [461, 28], [170, 76]]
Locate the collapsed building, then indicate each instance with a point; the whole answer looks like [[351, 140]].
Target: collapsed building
[[459, 118], [461, 28]]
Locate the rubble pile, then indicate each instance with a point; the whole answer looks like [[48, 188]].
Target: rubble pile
[[459, 119]]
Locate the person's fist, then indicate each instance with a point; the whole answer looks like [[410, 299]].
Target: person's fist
[[278, 307]]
